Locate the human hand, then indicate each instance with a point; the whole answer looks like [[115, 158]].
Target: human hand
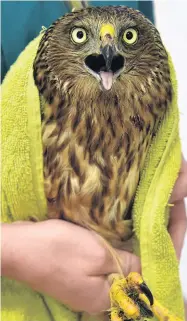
[[63, 260], [178, 220]]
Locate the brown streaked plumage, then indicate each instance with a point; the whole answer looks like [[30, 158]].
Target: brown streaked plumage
[[102, 100], [95, 140]]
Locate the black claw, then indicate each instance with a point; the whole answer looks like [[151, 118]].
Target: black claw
[[145, 312], [144, 288]]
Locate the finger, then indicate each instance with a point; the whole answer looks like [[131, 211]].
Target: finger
[[101, 285], [180, 188], [128, 262], [117, 261], [99, 300], [177, 226], [94, 297]]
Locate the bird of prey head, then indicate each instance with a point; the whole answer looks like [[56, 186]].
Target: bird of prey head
[[102, 49]]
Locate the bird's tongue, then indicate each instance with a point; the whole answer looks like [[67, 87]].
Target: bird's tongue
[[106, 79]]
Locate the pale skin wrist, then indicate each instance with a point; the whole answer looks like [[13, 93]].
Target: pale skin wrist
[[21, 254], [17, 239]]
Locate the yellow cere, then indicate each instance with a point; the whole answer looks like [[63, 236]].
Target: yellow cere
[[107, 29], [130, 36], [78, 35]]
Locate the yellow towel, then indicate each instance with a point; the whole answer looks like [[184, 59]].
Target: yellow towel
[[151, 211], [23, 195]]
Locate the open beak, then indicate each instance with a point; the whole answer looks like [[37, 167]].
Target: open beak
[[108, 62]]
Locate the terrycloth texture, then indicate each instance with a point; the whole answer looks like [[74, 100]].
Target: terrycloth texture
[[151, 211], [23, 195], [22, 182]]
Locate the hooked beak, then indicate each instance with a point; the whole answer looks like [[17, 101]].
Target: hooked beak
[[108, 63], [108, 50]]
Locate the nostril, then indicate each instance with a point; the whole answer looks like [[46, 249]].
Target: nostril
[[117, 63]]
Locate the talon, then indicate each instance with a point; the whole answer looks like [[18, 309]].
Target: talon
[[121, 299], [144, 288], [136, 278], [122, 302], [131, 299]]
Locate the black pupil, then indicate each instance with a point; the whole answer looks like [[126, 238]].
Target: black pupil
[[129, 35], [80, 34]]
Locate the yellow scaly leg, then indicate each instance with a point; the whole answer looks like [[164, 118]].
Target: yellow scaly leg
[[131, 299]]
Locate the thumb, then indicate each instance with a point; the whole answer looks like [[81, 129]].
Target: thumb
[[129, 262]]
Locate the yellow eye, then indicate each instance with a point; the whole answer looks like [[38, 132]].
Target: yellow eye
[[78, 35], [130, 36]]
